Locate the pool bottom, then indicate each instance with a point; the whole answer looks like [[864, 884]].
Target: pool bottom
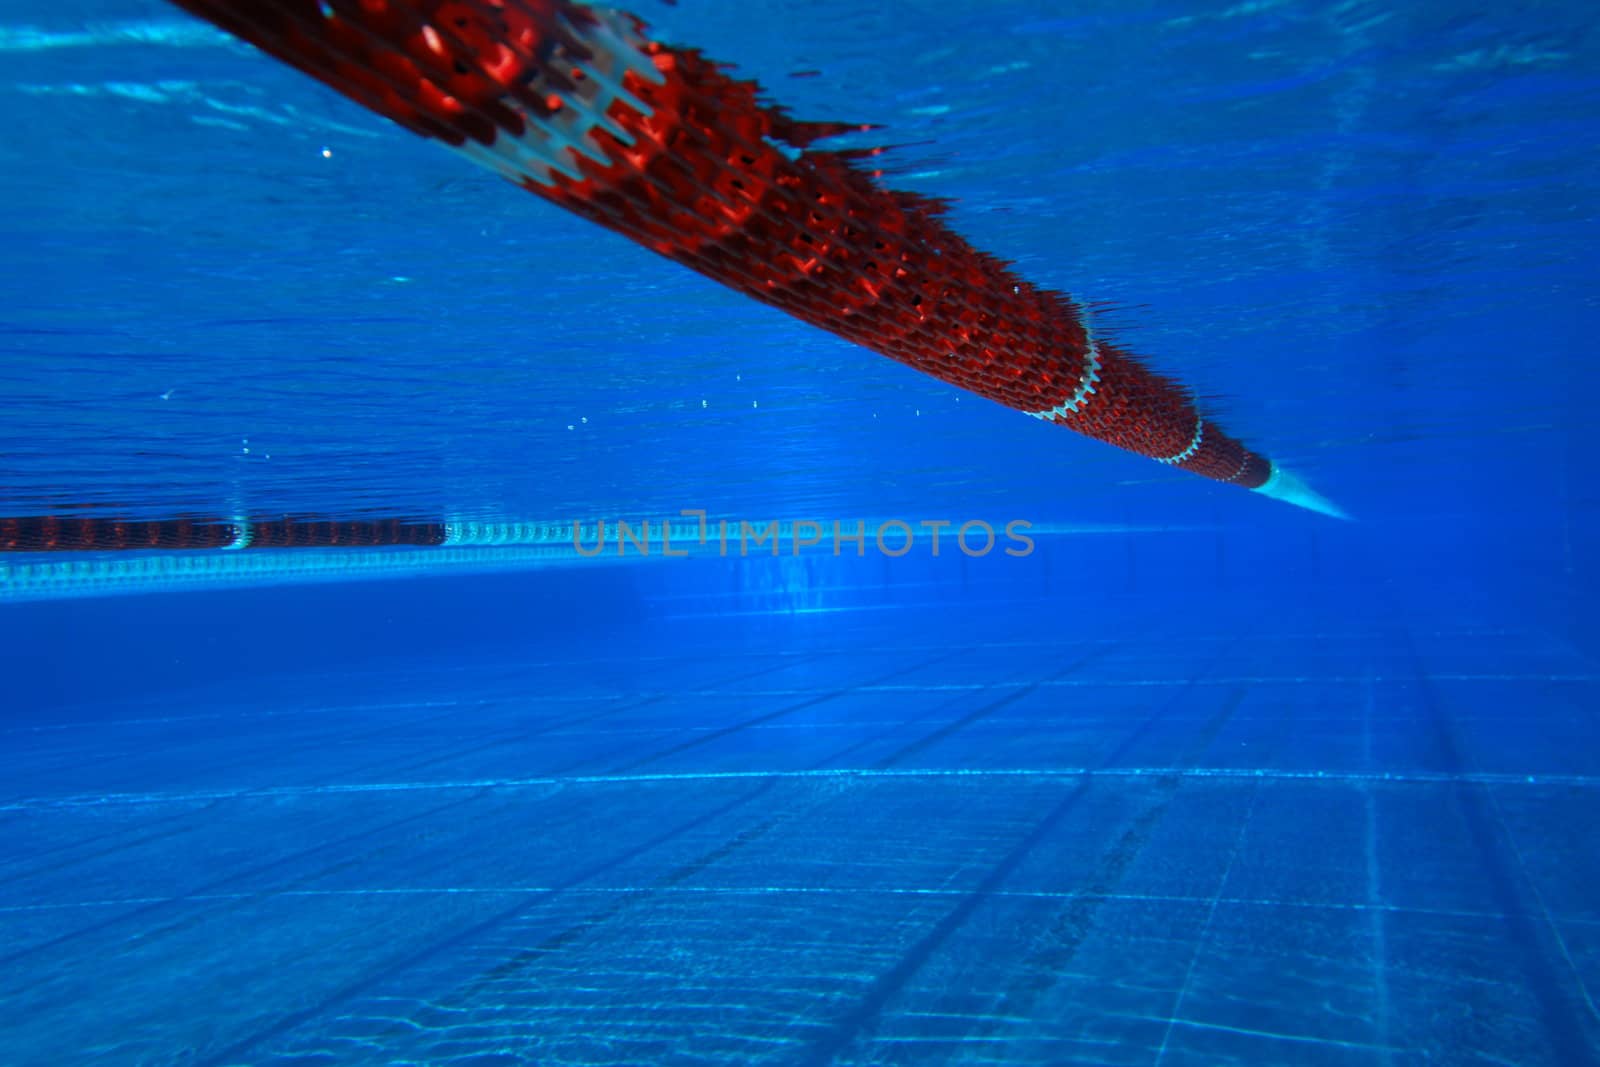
[[862, 838]]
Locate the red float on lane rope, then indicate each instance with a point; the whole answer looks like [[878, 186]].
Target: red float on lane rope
[[658, 144]]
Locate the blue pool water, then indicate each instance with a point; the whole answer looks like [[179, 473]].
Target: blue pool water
[[1203, 779]]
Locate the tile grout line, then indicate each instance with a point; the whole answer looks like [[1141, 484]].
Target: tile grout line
[[1205, 930], [1375, 920]]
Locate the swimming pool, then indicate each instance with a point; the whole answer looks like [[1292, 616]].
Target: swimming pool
[[1197, 777]]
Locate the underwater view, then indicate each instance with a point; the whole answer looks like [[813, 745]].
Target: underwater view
[[797, 532]]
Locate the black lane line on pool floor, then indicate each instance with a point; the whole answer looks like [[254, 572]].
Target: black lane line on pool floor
[[889, 984], [368, 729], [788, 709], [127, 842], [476, 929], [693, 867], [195, 913], [1564, 1020], [984, 711], [582, 719], [290, 1021], [575, 931], [1041, 970], [627, 902]]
